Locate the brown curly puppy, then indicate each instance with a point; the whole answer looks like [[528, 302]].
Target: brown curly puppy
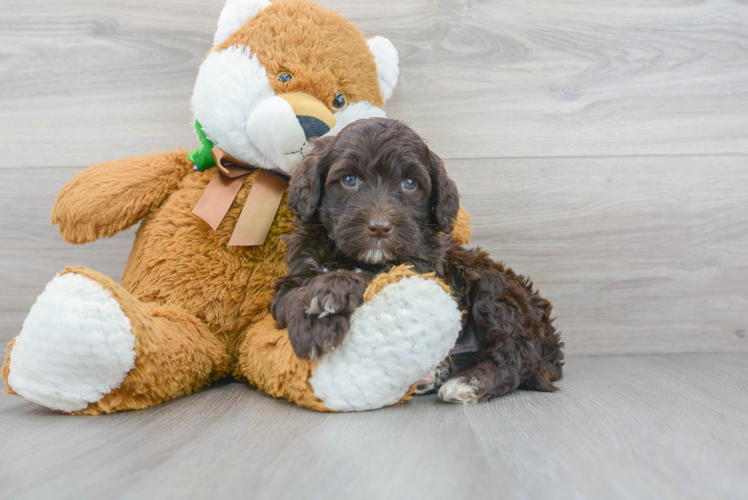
[[373, 197]]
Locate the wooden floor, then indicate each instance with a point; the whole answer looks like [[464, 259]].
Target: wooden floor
[[601, 147], [655, 426]]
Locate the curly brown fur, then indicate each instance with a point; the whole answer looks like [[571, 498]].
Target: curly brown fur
[[373, 197], [332, 236]]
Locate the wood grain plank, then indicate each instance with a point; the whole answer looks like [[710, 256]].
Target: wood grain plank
[[644, 254], [638, 255], [94, 80], [99, 79], [638, 426], [621, 427]]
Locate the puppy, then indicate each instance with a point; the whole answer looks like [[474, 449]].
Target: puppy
[[375, 196]]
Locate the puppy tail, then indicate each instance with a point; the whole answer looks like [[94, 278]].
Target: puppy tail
[[550, 368]]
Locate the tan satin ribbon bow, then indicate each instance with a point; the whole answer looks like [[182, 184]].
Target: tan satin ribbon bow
[[259, 210]]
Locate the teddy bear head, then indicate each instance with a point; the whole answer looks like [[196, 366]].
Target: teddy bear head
[[282, 72]]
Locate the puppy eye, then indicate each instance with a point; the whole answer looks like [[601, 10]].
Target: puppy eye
[[349, 180], [285, 77], [339, 101], [409, 184]]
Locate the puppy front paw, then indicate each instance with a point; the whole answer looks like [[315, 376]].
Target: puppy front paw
[[335, 293], [312, 336]]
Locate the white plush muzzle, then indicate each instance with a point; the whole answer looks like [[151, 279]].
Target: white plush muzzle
[[276, 131]]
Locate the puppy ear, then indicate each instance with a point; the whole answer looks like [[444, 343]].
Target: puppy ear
[[445, 199], [307, 184]]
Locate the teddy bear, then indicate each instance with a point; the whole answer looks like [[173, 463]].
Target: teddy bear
[[193, 304]]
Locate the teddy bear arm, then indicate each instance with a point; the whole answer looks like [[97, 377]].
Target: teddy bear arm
[[462, 228], [109, 197]]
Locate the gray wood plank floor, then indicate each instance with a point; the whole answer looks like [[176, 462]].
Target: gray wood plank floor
[[657, 426]]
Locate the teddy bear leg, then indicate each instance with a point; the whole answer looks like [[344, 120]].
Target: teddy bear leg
[[405, 328], [268, 362], [89, 346]]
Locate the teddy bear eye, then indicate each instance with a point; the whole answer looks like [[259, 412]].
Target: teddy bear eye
[[285, 77], [350, 180], [339, 101], [409, 184]]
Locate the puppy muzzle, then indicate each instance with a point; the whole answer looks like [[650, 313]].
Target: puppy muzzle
[[282, 125]]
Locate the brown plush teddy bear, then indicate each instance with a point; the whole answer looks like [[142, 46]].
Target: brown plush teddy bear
[[193, 303]]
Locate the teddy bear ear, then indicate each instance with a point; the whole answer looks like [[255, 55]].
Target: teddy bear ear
[[234, 14], [388, 64]]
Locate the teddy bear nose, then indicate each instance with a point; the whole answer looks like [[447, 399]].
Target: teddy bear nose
[[379, 228], [313, 127]]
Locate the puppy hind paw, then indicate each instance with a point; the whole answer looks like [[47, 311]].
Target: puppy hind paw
[[433, 379], [427, 383], [460, 391]]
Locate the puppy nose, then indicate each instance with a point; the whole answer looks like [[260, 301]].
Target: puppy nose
[[379, 228]]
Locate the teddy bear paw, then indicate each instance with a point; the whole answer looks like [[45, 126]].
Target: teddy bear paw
[[76, 345], [400, 334]]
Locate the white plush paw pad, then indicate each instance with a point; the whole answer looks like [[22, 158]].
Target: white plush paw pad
[[75, 346], [459, 390], [402, 333]]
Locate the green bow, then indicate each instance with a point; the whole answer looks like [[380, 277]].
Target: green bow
[[202, 157]]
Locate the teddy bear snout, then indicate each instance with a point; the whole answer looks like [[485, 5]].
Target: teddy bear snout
[[313, 127], [282, 125]]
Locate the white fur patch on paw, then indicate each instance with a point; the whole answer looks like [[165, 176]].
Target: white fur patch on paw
[[460, 391], [76, 345], [322, 308], [402, 333]]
